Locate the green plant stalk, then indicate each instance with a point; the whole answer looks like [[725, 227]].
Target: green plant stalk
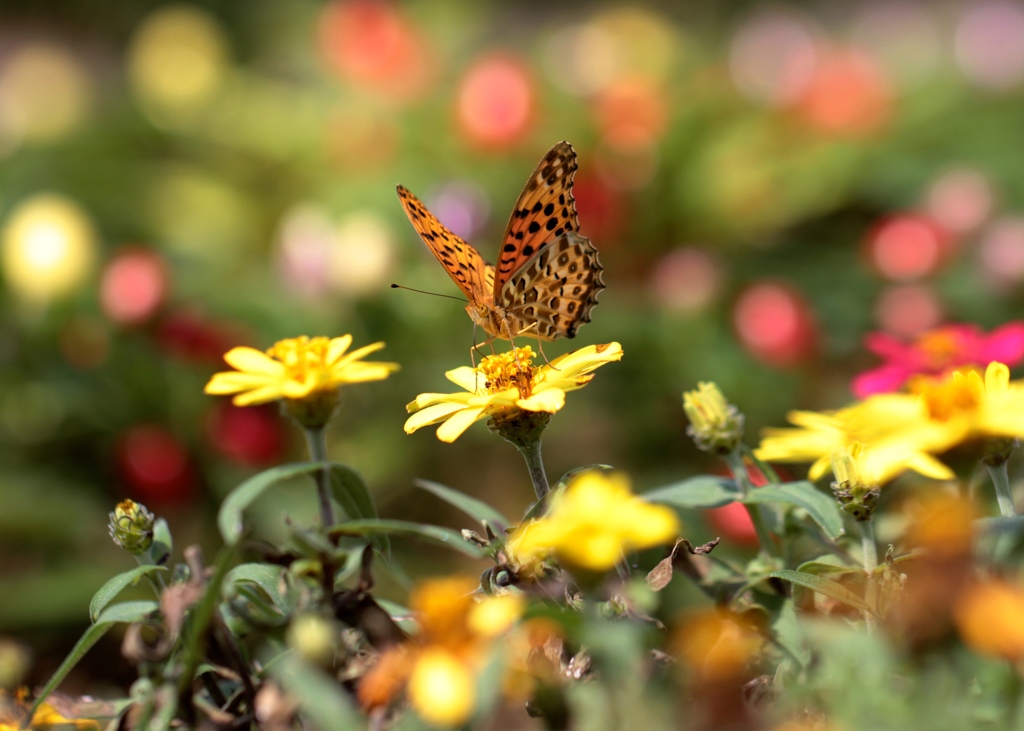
[[530, 449], [867, 536], [316, 440], [739, 473], [1001, 481]]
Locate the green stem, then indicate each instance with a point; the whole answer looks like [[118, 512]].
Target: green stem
[[867, 537], [316, 439], [1001, 481], [530, 449], [739, 473]]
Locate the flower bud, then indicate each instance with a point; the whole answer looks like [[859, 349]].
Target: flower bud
[[716, 426], [131, 526], [855, 488], [314, 638]]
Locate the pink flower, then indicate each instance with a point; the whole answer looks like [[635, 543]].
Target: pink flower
[[935, 352]]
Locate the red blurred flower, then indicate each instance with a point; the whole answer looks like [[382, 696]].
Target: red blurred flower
[[133, 286], [732, 521], [908, 246], [936, 352], [774, 323], [190, 336], [848, 95], [496, 101], [601, 208], [369, 43], [155, 465], [251, 436]]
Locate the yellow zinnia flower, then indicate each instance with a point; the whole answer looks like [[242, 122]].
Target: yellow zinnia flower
[[504, 385], [904, 431], [592, 524], [439, 666], [296, 368]]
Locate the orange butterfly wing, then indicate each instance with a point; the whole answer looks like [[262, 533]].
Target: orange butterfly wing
[[473, 275], [545, 210]]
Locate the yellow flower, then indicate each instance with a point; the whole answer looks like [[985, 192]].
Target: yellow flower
[[13, 710], [715, 425], [990, 617], [905, 430], [296, 368], [505, 385], [715, 645], [439, 666], [592, 524]]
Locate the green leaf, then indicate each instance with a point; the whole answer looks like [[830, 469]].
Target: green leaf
[[823, 586], [697, 492], [121, 613], [265, 576], [430, 533], [163, 543], [321, 699], [115, 586], [476, 509], [822, 508], [824, 567], [353, 495], [574, 473], [229, 518]]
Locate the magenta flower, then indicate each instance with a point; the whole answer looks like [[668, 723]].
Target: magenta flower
[[935, 352]]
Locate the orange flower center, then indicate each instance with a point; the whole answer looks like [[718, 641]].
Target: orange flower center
[[947, 396], [301, 356], [940, 346], [505, 370]]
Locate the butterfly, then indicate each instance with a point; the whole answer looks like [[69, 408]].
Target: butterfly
[[548, 275]]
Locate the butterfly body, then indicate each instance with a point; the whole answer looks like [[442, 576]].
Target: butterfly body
[[548, 275]]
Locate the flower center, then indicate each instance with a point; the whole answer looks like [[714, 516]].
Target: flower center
[[946, 397], [505, 370], [939, 346], [302, 356]]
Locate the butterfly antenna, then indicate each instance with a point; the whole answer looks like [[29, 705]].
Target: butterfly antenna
[[435, 294]]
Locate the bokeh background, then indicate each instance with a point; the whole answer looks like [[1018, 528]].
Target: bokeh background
[[765, 183]]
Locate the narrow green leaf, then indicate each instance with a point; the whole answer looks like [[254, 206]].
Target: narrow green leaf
[[321, 699], [229, 518], [822, 508], [114, 614], [697, 492], [823, 586], [476, 509], [353, 495], [163, 543], [574, 473], [822, 567], [115, 586], [430, 533]]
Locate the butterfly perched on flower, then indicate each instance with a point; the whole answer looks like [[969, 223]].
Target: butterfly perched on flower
[[548, 275]]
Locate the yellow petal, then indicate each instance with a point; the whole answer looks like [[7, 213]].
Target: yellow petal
[[458, 423], [234, 381], [997, 378], [358, 354], [441, 688], [337, 347], [253, 361], [430, 415], [466, 377], [263, 395], [549, 400]]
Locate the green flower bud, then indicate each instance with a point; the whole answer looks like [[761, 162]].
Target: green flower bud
[[855, 488], [314, 638], [131, 526], [716, 426]]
